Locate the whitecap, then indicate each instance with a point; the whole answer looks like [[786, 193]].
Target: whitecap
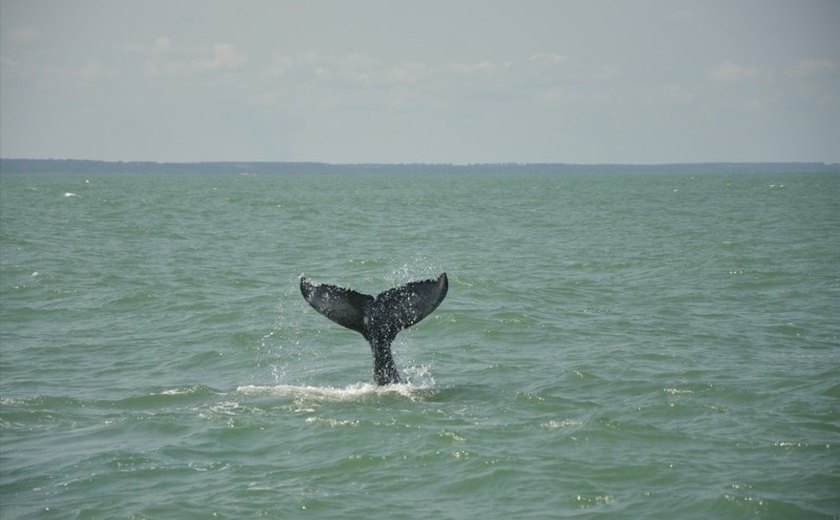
[[566, 423], [181, 391], [332, 422]]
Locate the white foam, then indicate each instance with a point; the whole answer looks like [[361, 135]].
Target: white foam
[[181, 391], [566, 423], [419, 378], [330, 393], [332, 422]]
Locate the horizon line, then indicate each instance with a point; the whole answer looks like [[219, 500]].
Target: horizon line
[[449, 164]]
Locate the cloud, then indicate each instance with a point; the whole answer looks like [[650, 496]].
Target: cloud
[[732, 72], [353, 67], [553, 70], [408, 73], [326, 81], [166, 58], [675, 93], [813, 67], [331, 81], [92, 70], [225, 56], [548, 58], [25, 34], [161, 46], [483, 68]]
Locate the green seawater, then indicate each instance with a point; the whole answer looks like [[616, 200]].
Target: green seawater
[[622, 346]]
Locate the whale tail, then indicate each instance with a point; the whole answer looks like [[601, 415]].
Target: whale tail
[[378, 319]]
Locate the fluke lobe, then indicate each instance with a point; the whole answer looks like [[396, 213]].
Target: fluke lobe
[[378, 319]]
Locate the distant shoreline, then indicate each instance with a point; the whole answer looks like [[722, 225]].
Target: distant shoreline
[[70, 166]]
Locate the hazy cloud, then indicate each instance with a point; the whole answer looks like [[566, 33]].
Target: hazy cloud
[[408, 73], [732, 72], [25, 34], [675, 93], [225, 56], [482, 68], [161, 46], [548, 58], [165, 58], [352, 67], [532, 81], [92, 70], [811, 67]]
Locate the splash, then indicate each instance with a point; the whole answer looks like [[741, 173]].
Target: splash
[[351, 392], [419, 268]]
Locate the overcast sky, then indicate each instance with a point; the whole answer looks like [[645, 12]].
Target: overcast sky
[[642, 81]]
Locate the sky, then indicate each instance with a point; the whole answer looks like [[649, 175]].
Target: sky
[[428, 81]]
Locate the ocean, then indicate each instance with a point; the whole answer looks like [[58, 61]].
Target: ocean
[[613, 345]]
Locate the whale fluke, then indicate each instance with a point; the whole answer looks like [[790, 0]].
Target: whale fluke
[[378, 319]]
